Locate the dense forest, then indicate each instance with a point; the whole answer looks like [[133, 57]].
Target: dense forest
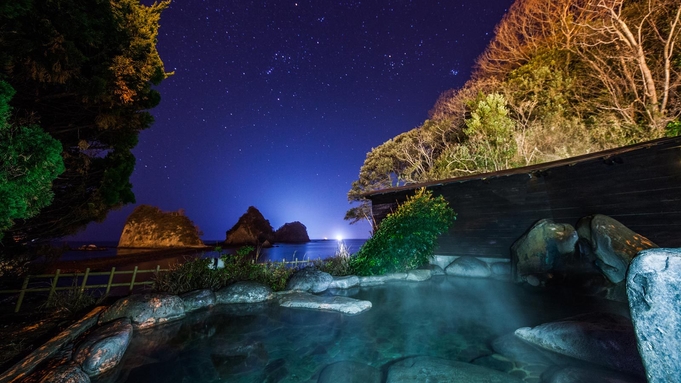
[[559, 78], [76, 84]]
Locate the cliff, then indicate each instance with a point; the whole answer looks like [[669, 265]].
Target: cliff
[[148, 226], [251, 229], [292, 232]]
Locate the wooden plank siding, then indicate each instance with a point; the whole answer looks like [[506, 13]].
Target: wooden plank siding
[[639, 185]]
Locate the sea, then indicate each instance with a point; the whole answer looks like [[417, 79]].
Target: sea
[[315, 249]]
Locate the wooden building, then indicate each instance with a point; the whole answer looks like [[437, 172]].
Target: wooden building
[[638, 185]]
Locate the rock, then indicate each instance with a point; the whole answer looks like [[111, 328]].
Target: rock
[[145, 310], [148, 226], [500, 269], [515, 349], [349, 372], [573, 374], [309, 279], [198, 299], [344, 282], [373, 280], [542, 248], [434, 269], [251, 229], [299, 299], [418, 275], [66, 373], [429, 369], [292, 232], [600, 338], [104, 347], [613, 244], [466, 266], [244, 292], [239, 357], [654, 291]]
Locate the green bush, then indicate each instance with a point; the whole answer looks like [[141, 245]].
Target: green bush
[[406, 238], [338, 265]]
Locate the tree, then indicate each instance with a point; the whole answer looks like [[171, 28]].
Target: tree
[[29, 161], [630, 47], [83, 70]]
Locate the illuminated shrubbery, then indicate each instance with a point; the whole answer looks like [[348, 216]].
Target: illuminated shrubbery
[[406, 238]]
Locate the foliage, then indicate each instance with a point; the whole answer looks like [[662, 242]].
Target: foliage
[[72, 300], [195, 273], [674, 128], [85, 71], [337, 265], [406, 238], [29, 161], [559, 79], [168, 223]]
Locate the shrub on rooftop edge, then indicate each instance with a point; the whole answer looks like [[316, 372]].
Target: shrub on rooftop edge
[[406, 238]]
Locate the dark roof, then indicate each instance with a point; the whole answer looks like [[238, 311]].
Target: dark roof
[[667, 142]]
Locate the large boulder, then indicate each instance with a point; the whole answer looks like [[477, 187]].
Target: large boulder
[[148, 226], [654, 291], [542, 248], [470, 267], [251, 229], [613, 244], [292, 232], [104, 347], [429, 369], [309, 279], [345, 282], [244, 292], [600, 338], [145, 310]]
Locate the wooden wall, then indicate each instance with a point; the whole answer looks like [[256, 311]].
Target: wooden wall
[[639, 186]]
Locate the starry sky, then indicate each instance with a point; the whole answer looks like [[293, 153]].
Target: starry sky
[[275, 104]]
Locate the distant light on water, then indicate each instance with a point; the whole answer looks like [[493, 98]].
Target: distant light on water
[[339, 238]]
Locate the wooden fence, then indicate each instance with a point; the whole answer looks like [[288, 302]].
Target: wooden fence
[[82, 285]]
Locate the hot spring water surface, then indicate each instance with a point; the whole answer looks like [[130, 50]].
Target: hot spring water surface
[[445, 317]]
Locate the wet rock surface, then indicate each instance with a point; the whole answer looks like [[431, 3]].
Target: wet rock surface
[[418, 275], [654, 291], [573, 374], [244, 292], [66, 373], [350, 372], [429, 369], [542, 248], [344, 282], [613, 244], [104, 347], [299, 299], [145, 310], [198, 299], [309, 279], [469, 267], [601, 338]]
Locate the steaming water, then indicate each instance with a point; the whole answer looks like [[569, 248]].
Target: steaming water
[[445, 317]]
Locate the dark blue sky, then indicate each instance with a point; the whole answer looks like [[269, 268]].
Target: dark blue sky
[[276, 103]]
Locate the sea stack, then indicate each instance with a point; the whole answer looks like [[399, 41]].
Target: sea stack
[[150, 227]]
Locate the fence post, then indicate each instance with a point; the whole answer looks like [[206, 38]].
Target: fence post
[[158, 269], [24, 286], [54, 285], [132, 282], [82, 286], [111, 277]]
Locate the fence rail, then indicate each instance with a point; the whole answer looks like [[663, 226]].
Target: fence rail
[[82, 285]]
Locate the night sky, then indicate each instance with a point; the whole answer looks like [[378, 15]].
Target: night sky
[[276, 103]]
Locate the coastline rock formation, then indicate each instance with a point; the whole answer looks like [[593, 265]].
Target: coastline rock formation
[[292, 232], [251, 229], [148, 226]]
